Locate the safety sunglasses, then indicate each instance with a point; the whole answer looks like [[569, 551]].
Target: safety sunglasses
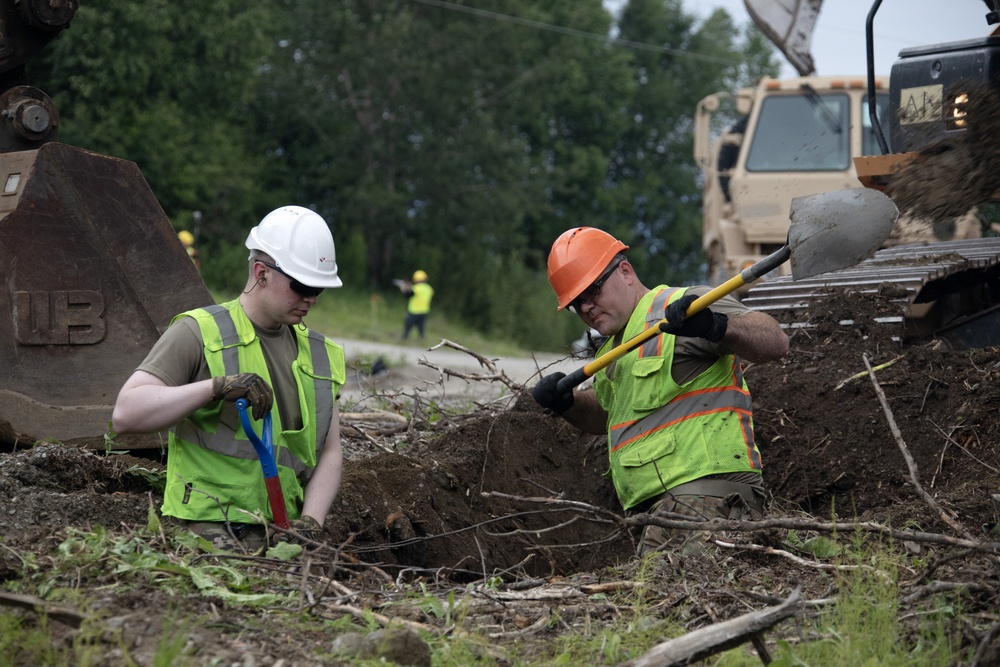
[[297, 287], [592, 292]]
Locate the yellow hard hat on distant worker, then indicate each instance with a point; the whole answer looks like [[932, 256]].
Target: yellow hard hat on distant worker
[[577, 258], [419, 276], [186, 237]]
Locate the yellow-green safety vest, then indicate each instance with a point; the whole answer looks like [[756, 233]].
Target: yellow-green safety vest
[[211, 462], [661, 434], [420, 302]]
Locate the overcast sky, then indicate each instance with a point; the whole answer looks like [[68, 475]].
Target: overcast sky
[[838, 43]]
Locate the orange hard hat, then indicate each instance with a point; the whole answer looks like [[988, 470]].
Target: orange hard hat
[[577, 258]]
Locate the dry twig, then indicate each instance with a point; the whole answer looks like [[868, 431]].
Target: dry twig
[[910, 463], [858, 376], [494, 375], [799, 560], [682, 522]]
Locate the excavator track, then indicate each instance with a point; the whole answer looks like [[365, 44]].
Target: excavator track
[[948, 290]]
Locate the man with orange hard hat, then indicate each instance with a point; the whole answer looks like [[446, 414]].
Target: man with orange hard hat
[[676, 409]]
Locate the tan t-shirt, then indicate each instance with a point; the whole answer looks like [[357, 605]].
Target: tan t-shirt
[[178, 358]]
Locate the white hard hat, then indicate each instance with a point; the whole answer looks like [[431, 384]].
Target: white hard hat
[[300, 243]]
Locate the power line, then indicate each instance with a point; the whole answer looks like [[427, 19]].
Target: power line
[[483, 13]]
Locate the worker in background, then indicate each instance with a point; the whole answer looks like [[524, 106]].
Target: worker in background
[[254, 347], [187, 240], [418, 306], [676, 410]]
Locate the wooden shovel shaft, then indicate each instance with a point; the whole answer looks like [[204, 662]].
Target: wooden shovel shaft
[[745, 277]]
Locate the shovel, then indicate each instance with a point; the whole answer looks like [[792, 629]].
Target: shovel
[[265, 452], [829, 231]]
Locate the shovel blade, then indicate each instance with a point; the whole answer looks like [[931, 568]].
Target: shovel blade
[[835, 230]]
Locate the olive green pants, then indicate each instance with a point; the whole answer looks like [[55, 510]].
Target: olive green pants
[[239, 537], [657, 538]]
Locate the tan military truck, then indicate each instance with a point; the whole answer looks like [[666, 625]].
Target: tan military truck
[[791, 137]]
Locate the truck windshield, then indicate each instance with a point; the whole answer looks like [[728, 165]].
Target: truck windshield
[[869, 144], [802, 132]]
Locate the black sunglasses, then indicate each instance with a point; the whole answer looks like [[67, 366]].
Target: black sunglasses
[[592, 292], [297, 287]]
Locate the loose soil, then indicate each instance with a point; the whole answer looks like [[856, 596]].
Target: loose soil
[[949, 174], [459, 498]]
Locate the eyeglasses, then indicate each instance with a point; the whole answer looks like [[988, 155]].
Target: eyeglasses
[[588, 295], [297, 287]]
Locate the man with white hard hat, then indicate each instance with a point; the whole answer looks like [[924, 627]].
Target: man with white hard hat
[[254, 347]]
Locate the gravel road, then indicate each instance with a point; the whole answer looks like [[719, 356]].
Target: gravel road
[[430, 368]]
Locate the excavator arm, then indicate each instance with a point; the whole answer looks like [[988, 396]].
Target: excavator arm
[[789, 25]]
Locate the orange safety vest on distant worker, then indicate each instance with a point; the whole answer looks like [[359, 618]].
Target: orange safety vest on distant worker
[[662, 434]]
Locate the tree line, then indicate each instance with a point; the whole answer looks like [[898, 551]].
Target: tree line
[[456, 137]]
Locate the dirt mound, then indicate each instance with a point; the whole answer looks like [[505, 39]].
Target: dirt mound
[[826, 439], [427, 508], [54, 486]]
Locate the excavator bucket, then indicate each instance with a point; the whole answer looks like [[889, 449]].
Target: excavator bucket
[[789, 25], [93, 273], [875, 171]]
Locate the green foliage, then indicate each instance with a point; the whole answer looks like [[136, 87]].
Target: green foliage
[[863, 625], [167, 88], [225, 266], [155, 478], [819, 546], [109, 439], [170, 649], [24, 641], [284, 551], [21, 644]]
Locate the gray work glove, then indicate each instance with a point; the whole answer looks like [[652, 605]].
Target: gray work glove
[[244, 385], [704, 324], [547, 395], [307, 530]]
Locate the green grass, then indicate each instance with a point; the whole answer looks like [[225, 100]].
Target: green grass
[[354, 315], [864, 624]]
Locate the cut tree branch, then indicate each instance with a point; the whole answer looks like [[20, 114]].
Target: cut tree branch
[[718, 637]]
